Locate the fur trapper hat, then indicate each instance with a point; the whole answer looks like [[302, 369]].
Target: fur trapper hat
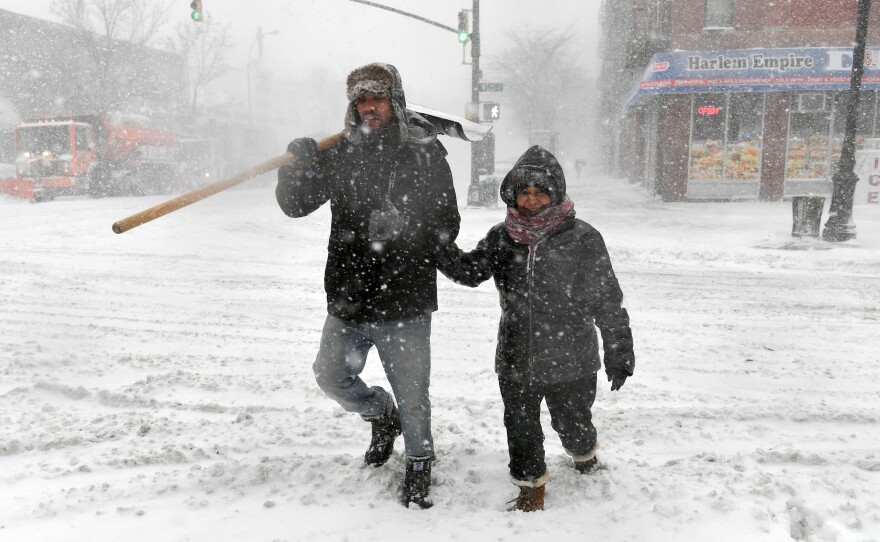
[[380, 79], [369, 79]]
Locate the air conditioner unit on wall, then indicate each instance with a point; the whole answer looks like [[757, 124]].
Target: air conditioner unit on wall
[[811, 102]]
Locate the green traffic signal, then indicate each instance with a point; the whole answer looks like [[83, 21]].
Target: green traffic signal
[[196, 6], [464, 33]]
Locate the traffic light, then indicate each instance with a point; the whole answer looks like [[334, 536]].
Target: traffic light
[[197, 14], [464, 33]]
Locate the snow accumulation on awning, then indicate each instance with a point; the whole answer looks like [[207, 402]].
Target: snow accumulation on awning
[[754, 70]]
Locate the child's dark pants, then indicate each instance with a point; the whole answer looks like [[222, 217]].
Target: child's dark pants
[[569, 404]]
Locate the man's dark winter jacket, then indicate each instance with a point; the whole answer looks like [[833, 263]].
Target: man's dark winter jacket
[[381, 280], [552, 293]]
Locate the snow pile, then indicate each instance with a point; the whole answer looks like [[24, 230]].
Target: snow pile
[[157, 385]]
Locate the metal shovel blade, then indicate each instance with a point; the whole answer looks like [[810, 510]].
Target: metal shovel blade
[[451, 125]]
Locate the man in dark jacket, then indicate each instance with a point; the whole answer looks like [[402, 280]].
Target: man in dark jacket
[[393, 204], [556, 281]]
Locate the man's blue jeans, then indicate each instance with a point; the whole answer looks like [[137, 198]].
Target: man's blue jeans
[[404, 346]]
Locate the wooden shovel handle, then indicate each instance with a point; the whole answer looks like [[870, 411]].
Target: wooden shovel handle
[[203, 192]]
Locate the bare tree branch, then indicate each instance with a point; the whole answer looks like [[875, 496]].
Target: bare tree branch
[[204, 46], [112, 33], [542, 77]]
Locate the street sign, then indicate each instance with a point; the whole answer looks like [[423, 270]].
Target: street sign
[[490, 111], [491, 87]]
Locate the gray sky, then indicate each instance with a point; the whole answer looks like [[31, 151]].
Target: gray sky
[[341, 35]]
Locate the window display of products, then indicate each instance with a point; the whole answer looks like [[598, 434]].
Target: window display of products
[[816, 124], [807, 157], [744, 160], [726, 136], [707, 160]]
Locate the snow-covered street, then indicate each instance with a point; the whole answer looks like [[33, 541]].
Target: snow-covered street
[[157, 385]]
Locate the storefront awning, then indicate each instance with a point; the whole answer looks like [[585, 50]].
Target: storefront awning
[[754, 70]]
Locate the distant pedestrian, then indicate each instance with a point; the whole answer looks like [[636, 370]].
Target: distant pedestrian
[[556, 285], [579, 165], [393, 204]]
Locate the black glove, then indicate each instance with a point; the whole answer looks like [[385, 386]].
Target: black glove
[[306, 149], [617, 377]]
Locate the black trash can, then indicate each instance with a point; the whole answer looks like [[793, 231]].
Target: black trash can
[[807, 215]]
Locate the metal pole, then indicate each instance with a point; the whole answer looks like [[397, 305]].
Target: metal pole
[[840, 225], [474, 189], [250, 107], [258, 40], [406, 14]]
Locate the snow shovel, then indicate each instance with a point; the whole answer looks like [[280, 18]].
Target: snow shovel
[[446, 124]]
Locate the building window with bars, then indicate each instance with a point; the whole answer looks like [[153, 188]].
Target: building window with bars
[[719, 14]]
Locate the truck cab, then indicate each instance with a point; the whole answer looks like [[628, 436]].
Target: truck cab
[[55, 156]]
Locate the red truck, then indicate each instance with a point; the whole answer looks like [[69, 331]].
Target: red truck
[[90, 155]]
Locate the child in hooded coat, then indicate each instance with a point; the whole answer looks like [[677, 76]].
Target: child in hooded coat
[[556, 286]]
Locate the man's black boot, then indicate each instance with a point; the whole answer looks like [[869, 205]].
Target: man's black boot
[[416, 483], [385, 430]]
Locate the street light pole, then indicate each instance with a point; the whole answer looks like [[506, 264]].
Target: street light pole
[[248, 67], [257, 39], [840, 225]]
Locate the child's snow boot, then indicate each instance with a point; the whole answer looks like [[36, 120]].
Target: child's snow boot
[[530, 499], [531, 494], [585, 462]]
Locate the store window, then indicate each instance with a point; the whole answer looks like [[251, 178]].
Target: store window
[[745, 126], [726, 137], [809, 126], [816, 125], [718, 14]]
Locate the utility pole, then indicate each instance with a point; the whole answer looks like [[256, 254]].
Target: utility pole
[[258, 40], [473, 199], [840, 225]]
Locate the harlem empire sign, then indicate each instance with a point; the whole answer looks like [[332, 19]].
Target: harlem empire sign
[[755, 70], [787, 61], [757, 61]]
